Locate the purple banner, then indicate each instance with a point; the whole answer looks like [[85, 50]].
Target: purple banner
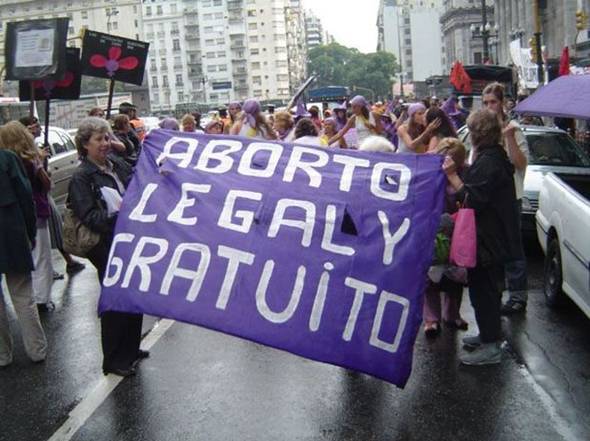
[[319, 252]]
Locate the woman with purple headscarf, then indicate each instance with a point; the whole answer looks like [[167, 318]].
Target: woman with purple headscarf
[[414, 134], [233, 110], [363, 120], [454, 114], [252, 123], [340, 116], [169, 124]]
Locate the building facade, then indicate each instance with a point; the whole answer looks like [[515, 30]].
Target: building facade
[[516, 20], [117, 17], [296, 45], [458, 21], [411, 31], [211, 52], [314, 31], [202, 52]]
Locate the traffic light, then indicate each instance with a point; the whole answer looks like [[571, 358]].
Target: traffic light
[[581, 20], [533, 46]]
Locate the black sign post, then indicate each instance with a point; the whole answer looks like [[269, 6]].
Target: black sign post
[[67, 88], [34, 50], [114, 58]]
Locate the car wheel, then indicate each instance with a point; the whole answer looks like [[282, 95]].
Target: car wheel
[[552, 276]]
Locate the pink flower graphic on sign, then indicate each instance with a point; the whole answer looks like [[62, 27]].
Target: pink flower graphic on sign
[[49, 85], [114, 62]]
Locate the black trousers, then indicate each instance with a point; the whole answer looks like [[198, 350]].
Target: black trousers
[[120, 331], [485, 294]]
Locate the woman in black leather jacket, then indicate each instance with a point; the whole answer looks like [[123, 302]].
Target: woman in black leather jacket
[[488, 188], [120, 332]]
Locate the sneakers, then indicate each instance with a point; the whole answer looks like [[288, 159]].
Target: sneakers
[[45, 307], [431, 329], [513, 307], [484, 354], [472, 341], [74, 267]]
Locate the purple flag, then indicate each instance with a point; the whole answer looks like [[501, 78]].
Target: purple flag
[[319, 252]]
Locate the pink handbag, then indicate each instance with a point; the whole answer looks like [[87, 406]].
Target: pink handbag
[[464, 241]]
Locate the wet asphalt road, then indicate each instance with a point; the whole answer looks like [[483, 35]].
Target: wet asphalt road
[[203, 385]]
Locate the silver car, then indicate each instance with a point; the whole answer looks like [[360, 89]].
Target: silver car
[[550, 150], [63, 160]]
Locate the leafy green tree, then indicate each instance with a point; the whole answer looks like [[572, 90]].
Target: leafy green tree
[[337, 65]]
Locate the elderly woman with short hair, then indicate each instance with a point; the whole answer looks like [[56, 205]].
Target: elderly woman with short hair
[[488, 188], [121, 332]]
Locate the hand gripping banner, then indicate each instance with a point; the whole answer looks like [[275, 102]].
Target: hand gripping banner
[[319, 252]]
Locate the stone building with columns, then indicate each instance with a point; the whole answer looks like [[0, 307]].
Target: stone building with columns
[[458, 21], [558, 26]]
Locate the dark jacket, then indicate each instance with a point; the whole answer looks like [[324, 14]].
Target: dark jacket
[[132, 147], [17, 216], [40, 189], [489, 190], [85, 199]]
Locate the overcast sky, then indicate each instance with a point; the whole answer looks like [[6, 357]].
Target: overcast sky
[[351, 22]]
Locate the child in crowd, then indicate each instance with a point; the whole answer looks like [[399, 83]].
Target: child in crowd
[[444, 289]]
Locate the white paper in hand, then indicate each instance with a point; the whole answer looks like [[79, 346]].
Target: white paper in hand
[[112, 198]]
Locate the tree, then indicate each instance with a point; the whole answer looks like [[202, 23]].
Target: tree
[[337, 65]]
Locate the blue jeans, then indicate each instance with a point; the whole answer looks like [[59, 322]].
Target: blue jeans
[[515, 269]]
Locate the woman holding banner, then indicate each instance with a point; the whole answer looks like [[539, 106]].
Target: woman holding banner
[[363, 120], [252, 123], [284, 126], [330, 130], [488, 189], [96, 175], [233, 111]]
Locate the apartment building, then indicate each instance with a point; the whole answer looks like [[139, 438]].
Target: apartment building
[[211, 52], [410, 29], [118, 17]]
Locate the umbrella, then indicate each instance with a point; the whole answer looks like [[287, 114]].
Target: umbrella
[[567, 96]]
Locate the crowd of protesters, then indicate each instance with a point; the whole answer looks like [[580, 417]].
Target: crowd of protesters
[[486, 176]]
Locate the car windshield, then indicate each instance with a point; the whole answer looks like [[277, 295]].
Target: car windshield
[[554, 148]]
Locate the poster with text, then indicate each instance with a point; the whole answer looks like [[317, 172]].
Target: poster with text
[[68, 88], [110, 56], [319, 252], [36, 49]]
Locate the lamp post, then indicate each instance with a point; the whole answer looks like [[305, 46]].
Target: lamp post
[[485, 31], [399, 49], [537, 34], [204, 83]]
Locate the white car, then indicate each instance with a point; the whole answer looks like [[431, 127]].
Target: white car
[[63, 160], [563, 223]]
